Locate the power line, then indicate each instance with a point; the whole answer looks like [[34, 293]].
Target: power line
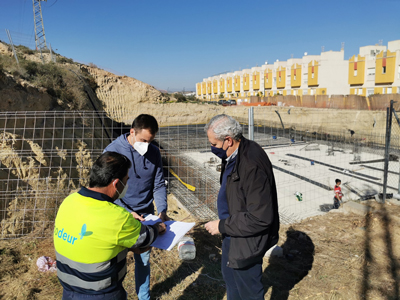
[[53, 4]]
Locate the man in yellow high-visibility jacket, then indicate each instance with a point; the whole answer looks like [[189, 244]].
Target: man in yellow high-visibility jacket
[[92, 235]]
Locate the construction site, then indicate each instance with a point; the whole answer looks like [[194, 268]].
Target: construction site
[[47, 155], [57, 116]]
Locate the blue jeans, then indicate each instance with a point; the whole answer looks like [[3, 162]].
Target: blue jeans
[[117, 295], [241, 284], [142, 275]]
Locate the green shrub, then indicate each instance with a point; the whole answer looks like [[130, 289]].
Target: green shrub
[[63, 60], [191, 98], [180, 97], [25, 50], [31, 68], [7, 62]]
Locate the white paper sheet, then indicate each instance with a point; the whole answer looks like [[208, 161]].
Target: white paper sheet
[[175, 231]]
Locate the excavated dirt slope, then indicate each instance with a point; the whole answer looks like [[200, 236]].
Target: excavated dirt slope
[[125, 97]]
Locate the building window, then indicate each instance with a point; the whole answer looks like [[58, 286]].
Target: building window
[[389, 90], [355, 72], [294, 91], [279, 79], [312, 91], [383, 90], [360, 91], [384, 70], [370, 92], [371, 74], [312, 75], [305, 92], [294, 77], [371, 71]]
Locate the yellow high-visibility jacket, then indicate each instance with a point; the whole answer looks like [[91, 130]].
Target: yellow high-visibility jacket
[[91, 237]]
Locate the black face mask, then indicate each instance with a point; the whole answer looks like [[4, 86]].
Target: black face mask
[[220, 152]]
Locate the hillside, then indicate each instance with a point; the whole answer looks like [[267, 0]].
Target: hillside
[[65, 85]]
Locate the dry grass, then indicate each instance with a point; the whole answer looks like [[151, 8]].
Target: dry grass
[[335, 256]]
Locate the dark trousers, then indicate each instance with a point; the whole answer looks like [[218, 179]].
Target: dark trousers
[[336, 203], [117, 295], [241, 284]]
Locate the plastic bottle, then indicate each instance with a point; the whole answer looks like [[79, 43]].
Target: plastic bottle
[[299, 196], [186, 248]]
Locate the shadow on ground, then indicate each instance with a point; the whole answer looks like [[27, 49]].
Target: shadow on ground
[[372, 263], [205, 270], [326, 207], [283, 273]]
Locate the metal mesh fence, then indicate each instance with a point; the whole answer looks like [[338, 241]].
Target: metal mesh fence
[[47, 155], [43, 157], [307, 158], [190, 168], [393, 169]]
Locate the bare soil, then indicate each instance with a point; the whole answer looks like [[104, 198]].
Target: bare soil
[[335, 256]]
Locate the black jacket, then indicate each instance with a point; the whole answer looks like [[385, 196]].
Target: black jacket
[[253, 221]]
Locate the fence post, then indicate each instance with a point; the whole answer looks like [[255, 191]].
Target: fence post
[[52, 58], [398, 123], [389, 112], [12, 46], [251, 123]]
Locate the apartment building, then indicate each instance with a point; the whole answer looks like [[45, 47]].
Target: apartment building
[[375, 70], [325, 74]]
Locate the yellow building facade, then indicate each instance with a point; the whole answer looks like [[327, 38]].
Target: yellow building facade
[[374, 70], [295, 76]]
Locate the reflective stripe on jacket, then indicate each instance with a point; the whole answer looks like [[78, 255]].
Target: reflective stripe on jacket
[[97, 277], [91, 237]]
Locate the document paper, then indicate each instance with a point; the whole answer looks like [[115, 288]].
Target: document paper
[[175, 231]]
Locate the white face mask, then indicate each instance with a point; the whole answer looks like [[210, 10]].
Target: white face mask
[[141, 147], [123, 193]]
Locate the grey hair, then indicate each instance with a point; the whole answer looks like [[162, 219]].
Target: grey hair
[[224, 126]]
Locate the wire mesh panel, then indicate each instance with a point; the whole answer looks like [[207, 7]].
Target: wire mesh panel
[[308, 156], [47, 155], [191, 168], [393, 178], [43, 157]]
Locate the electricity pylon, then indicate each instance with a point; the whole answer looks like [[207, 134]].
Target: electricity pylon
[[40, 38]]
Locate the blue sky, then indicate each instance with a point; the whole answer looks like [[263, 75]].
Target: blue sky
[[173, 44]]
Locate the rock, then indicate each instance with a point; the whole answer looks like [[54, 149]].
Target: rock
[[274, 251], [357, 208]]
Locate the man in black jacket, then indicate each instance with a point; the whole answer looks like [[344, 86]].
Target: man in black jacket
[[247, 208]]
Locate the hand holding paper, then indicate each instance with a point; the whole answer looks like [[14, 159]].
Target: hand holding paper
[[162, 228], [175, 231]]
